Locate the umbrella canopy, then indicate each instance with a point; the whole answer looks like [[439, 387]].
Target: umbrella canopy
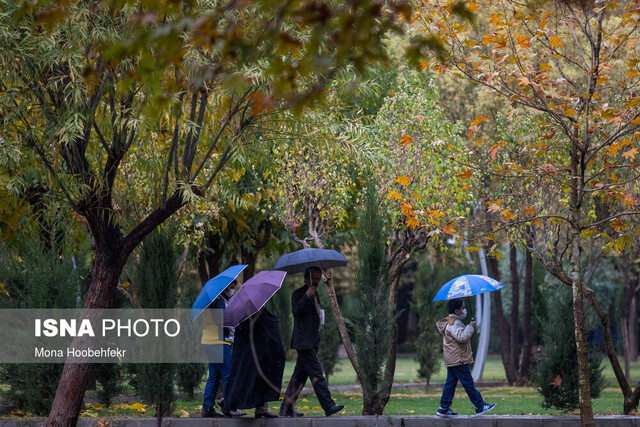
[[252, 296], [467, 285], [299, 261], [213, 288]]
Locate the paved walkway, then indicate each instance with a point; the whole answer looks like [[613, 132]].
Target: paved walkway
[[361, 421]]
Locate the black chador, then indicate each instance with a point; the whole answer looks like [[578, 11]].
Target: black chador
[[247, 388]]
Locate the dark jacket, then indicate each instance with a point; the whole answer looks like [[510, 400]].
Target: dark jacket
[[306, 321]]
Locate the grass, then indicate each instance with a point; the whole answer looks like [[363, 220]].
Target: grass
[[511, 400]]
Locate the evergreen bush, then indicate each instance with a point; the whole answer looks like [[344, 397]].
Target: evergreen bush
[[373, 321], [556, 375], [156, 277], [35, 278]]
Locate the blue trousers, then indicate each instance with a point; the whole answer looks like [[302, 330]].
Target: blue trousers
[[217, 372], [460, 373]]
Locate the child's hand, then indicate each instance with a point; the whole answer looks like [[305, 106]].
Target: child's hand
[[473, 324]]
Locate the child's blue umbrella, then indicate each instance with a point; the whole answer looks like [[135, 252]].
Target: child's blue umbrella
[[213, 288], [467, 285]]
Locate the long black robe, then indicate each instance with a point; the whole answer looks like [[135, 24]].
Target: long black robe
[[246, 387]]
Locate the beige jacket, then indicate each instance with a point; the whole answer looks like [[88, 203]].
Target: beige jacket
[[456, 344]]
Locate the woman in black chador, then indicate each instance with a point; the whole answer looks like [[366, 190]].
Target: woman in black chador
[[247, 388]]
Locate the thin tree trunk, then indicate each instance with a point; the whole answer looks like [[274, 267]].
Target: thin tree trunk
[[503, 325], [515, 311], [633, 322], [527, 337]]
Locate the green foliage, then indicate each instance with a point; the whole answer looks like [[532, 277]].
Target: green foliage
[[190, 375], [35, 278], [373, 321], [556, 374], [156, 276], [329, 336], [109, 375]]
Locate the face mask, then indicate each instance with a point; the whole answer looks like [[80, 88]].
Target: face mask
[[231, 292], [464, 313]]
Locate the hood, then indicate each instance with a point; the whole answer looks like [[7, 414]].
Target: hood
[[442, 323]]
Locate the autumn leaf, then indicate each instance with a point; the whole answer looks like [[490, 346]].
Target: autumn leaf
[[3, 288], [477, 121], [495, 206], [465, 175], [447, 229], [631, 154], [507, 214], [407, 209], [545, 67], [570, 112], [628, 200], [529, 211], [412, 222], [556, 42], [403, 180], [393, 195], [557, 381], [405, 140]]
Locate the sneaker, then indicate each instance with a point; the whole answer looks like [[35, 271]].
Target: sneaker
[[445, 413], [485, 408]]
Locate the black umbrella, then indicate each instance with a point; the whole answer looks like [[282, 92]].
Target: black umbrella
[[299, 261]]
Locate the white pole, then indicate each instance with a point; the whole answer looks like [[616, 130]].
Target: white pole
[[484, 320]]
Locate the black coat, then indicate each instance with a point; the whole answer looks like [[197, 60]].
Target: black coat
[[246, 388], [306, 321]]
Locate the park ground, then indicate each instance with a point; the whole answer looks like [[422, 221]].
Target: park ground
[[409, 396]]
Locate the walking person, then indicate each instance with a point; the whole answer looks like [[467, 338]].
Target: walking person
[[257, 366], [458, 357], [220, 371], [308, 317]]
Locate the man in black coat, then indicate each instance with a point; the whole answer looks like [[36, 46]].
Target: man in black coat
[[307, 314]]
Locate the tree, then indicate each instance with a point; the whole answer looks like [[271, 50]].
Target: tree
[[555, 374], [572, 64], [92, 70], [156, 274]]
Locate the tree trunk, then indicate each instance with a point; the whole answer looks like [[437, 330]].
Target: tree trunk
[[73, 381], [527, 338], [515, 311], [503, 325], [342, 328], [584, 381], [633, 322]]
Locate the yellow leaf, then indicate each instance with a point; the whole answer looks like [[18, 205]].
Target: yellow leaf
[[555, 42], [424, 65], [545, 67], [392, 195], [530, 211], [570, 112], [447, 229], [3, 288], [412, 222], [473, 7], [632, 74], [507, 214], [405, 139], [403, 180], [478, 120]]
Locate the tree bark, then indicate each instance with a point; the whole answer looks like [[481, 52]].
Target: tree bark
[[527, 337], [503, 325], [515, 311], [73, 381]]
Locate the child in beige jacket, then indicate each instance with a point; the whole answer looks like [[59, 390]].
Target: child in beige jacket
[[456, 348]]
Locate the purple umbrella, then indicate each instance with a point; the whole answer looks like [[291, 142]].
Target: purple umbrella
[[252, 296]]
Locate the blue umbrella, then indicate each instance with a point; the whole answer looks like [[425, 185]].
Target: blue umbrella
[[299, 261], [467, 285], [213, 288]]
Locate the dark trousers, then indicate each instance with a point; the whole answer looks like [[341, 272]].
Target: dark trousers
[[307, 366], [463, 374]]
